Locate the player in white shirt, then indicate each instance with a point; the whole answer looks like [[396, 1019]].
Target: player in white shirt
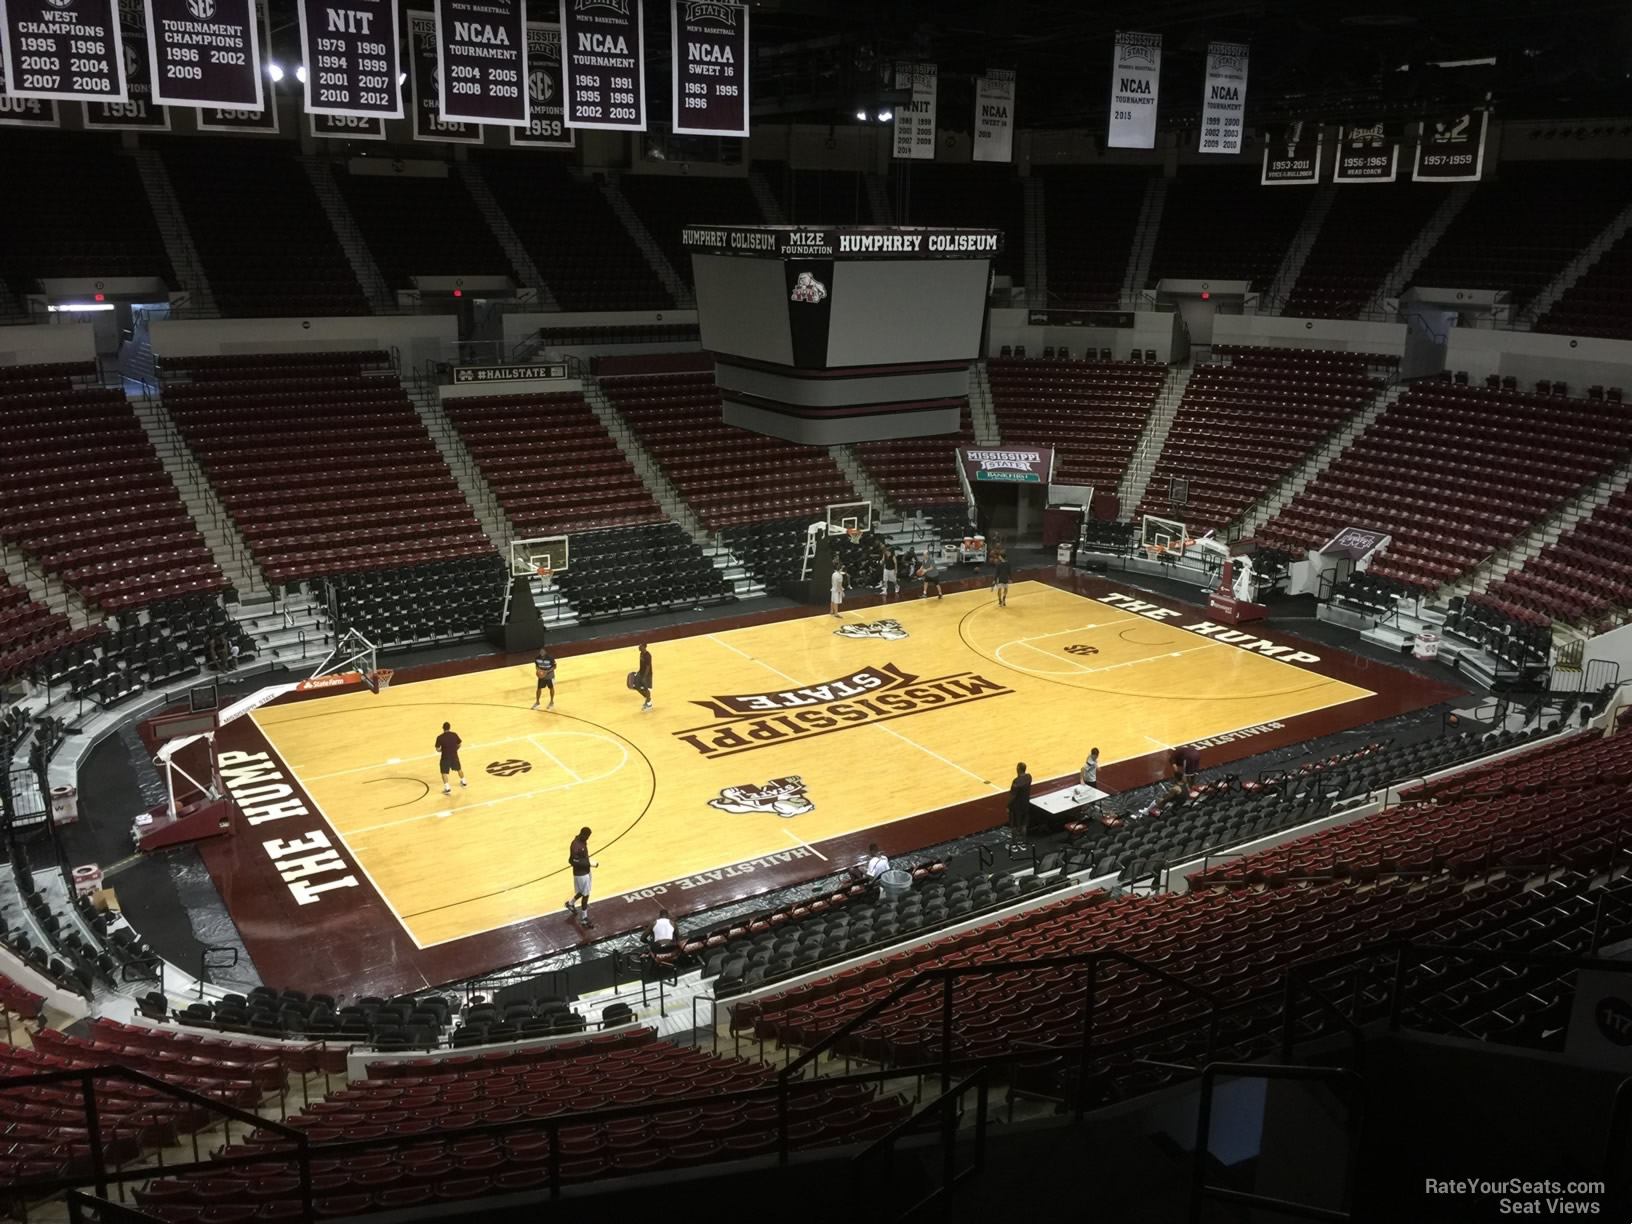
[[663, 928], [1090, 769], [837, 599], [877, 864]]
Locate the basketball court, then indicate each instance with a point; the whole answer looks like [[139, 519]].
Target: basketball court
[[768, 738]]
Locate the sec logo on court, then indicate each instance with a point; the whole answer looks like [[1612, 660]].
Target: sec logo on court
[[1082, 650], [509, 769]]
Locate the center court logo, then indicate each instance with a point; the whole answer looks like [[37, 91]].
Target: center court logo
[[784, 796], [745, 721], [885, 630]]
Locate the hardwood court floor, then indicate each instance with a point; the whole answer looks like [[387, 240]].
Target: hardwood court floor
[[870, 730]]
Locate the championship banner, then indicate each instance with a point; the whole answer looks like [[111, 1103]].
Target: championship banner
[[205, 53], [263, 121], [49, 50], [351, 57], [1136, 70], [345, 127], [546, 109], [994, 116], [605, 71], [1367, 154], [481, 54], [710, 67], [1224, 98], [1291, 155], [25, 112], [915, 121], [425, 78], [1012, 465], [1451, 150], [137, 113]]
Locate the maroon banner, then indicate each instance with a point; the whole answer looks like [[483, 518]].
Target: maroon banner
[[64, 51], [351, 57], [138, 112], [603, 41], [346, 127], [426, 79], [710, 68], [546, 106], [205, 53], [25, 112]]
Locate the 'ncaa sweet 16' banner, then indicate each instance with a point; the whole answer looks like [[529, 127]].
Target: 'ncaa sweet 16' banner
[[710, 68], [204, 53], [351, 57], [481, 51], [605, 47], [67, 51]]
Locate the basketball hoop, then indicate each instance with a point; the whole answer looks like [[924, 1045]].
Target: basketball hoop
[[545, 575], [854, 533], [382, 679]]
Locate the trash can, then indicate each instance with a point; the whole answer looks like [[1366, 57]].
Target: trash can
[[87, 880], [1062, 554], [64, 804], [894, 883]]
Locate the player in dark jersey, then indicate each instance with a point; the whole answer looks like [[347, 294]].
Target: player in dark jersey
[[544, 669], [1001, 572], [447, 748]]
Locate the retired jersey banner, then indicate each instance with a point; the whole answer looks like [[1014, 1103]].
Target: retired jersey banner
[[915, 120], [1451, 150], [605, 67], [481, 50], [205, 52], [546, 101], [137, 113], [1136, 70], [68, 51], [351, 57], [1367, 154], [1007, 465], [994, 116], [710, 68], [25, 112], [345, 127], [1224, 98], [425, 79], [1291, 155]]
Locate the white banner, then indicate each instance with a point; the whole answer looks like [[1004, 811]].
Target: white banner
[[1451, 150], [1224, 98], [994, 116], [915, 121], [1136, 69]]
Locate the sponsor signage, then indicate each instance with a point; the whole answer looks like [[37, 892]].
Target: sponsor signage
[[220, 119], [346, 127], [1291, 156], [205, 53], [710, 67], [787, 241], [351, 57], [1224, 98], [605, 74], [524, 373], [1239, 638], [546, 126], [1353, 543], [915, 118], [1366, 154], [138, 112], [1080, 318], [1012, 465], [481, 54], [307, 862], [994, 116], [25, 112], [67, 50], [1136, 69], [425, 77], [1451, 150]]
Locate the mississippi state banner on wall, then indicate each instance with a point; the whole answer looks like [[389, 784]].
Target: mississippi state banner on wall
[[137, 113], [481, 49], [263, 121], [710, 68], [425, 77], [69, 52], [25, 112], [915, 120], [546, 105], [994, 116], [605, 63], [345, 127], [1451, 150], [1136, 70], [1367, 153], [1291, 155], [351, 57], [205, 52], [1224, 98]]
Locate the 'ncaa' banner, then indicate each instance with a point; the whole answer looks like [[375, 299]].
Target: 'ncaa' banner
[[1291, 155], [1451, 150], [70, 52], [994, 116], [345, 127], [481, 50], [425, 79], [137, 113], [605, 76], [1009, 465], [915, 121], [1224, 98], [263, 121], [25, 112], [1136, 70], [710, 68], [546, 109], [350, 49], [1368, 154], [205, 53]]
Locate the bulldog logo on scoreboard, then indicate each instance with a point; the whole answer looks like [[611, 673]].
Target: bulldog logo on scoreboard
[[808, 289], [784, 796], [887, 630]]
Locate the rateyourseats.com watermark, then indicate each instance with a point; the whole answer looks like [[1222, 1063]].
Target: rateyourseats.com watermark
[[1518, 1197]]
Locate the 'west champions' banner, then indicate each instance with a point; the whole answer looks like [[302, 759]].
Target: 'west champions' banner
[[1451, 150], [1366, 154], [64, 51], [546, 109], [915, 120], [994, 116], [710, 68], [481, 51], [205, 53], [1224, 98], [1007, 465], [351, 57], [1136, 70], [137, 113], [25, 112], [605, 74], [426, 78], [1291, 155]]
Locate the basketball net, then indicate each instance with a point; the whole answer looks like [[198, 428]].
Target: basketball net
[[854, 533], [545, 576]]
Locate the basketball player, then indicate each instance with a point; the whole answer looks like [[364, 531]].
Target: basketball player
[[1000, 579], [447, 747], [641, 678], [544, 669], [889, 566], [930, 576], [836, 598], [580, 862]]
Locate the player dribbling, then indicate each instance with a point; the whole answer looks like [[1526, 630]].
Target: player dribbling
[[544, 670]]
